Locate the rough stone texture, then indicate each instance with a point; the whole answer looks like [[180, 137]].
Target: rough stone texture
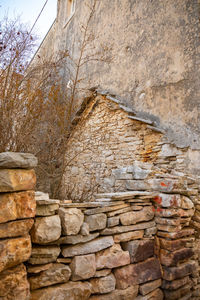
[[173, 258], [175, 284], [103, 285], [180, 271], [128, 294], [46, 229], [112, 257], [14, 284], [90, 247], [14, 251], [57, 273], [114, 221], [83, 267], [121, 229], [17, 180], [46, 210], [177, 294], [38, 269], [44, 254], [155, 295], [102, 273], [148, 287], [17, 160], [85, 229], [15, 228], [172, 245], [137, 273], [96, 222], [71, 220], [66, 291], [129, 218], [17, 206], [139, 250], [128, 236], [76, 239]]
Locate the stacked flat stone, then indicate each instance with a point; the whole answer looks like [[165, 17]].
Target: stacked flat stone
[[175, 239], [95, 250], [17, 210]]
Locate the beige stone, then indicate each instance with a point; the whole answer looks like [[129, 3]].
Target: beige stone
[[44, 254], [70, 290], [71, 220], [122, 229], [14, 284], [85, 229], [168, 228], [114, 221], [96, 222], [155, 295], [123, 195], [89, 247], [14, 251], [128, 236], [128, 294], [123, 210], [57, 273], [13, 160], [46, 210], [83, 267], [15, 228], [130, 218], [176, 235], [46, 229], [103, 285], [112, 257], [102, 273], [17, 180], [38, 269], [19, 205]]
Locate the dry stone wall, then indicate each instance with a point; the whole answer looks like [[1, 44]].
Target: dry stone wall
[[136, 244]]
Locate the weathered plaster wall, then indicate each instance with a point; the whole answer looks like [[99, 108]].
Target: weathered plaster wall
[[155, 50]]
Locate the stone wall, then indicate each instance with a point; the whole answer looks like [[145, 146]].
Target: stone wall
[[138, 244], [17, 210]]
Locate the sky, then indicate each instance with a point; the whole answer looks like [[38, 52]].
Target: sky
[[28, 10]]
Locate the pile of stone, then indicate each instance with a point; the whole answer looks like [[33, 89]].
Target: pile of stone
[[95, 250], [17, 210], [175, 242]]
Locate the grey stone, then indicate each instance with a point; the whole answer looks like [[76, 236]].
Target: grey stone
[[46, 230], [83, 267], [76, 239], [85, 229], [44, 254], [71, 219], [121, 229], [17, 160], [90, 247], [96, 222]]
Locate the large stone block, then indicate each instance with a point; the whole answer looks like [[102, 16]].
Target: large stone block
[[173, 201], [70, 290], [137, 273], [13, 160], [14, 284], [90, 247], [139, 250], [103, 285], [76, 239], [17, 180], [122, 229], [15, 228], [46, 230], [83, 267], [172, 245], [177, 294], [129, 218], [175, 284], [57, 273], [112, 257], [71, 219], [155, 295], [46, 210], [96, 222], [184, 269], [128, 294], [14, 206], [44, 254], [14, 251], [173, 258]]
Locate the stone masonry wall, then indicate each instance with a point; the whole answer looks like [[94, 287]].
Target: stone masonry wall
[[138, 244]]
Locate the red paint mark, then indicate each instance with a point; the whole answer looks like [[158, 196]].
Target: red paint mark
[[158, 199]]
